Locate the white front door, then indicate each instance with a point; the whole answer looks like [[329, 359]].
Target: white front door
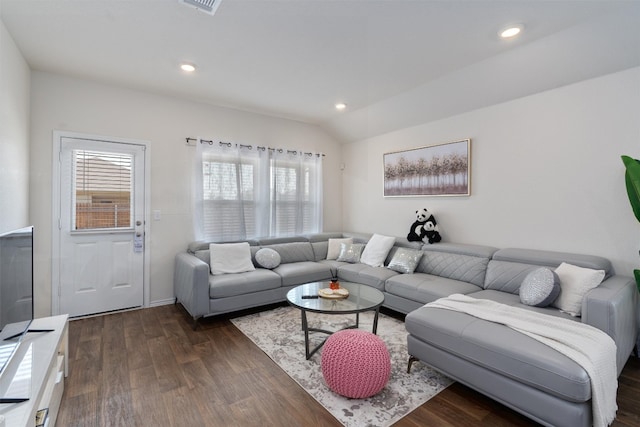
[[101, 226]]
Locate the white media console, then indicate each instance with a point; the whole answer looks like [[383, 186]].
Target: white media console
[[37, 371]]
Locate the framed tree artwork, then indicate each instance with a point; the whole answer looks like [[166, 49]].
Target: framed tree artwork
[[435, 170]]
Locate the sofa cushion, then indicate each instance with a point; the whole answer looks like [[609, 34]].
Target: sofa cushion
[[575, 282], [553, 259], [456, 266], [365, 274], [502, 350], [268, 241], [508, 267], [229, 258], [297, 273], [229, 285], [320, 250], [293, 251], [540, 288], [506, 276], [425, 288], [201, 245]]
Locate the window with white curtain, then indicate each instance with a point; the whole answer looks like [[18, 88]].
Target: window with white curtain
[[244, 193]]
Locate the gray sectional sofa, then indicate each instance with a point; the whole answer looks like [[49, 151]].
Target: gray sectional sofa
[[503, 364]]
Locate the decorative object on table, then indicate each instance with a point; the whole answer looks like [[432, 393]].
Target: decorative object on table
[[632, 181], [277, 333], [436, 170], [424, 228], [355, 363], [334, 283], [329, 293]]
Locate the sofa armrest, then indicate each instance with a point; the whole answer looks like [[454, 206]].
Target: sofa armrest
[[612, 308], [191, 284]]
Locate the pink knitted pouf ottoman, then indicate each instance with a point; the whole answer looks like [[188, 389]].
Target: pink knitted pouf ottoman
[[355, 363]]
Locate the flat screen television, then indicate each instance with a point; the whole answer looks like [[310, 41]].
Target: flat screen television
[[16, 290]]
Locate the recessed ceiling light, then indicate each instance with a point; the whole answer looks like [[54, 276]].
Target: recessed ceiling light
[[189, 68], [341, 106], [511, 31]]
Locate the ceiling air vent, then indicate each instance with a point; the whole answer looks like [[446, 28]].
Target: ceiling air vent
[[207, 6]]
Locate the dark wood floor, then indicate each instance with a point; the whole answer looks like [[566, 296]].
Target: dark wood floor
[[149, 368]]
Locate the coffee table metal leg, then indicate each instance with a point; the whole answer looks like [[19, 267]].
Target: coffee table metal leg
[[375, 321], [305, 328]]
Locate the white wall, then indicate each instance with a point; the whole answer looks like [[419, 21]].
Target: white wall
[[14, 134], [546, 173], [64, 103]]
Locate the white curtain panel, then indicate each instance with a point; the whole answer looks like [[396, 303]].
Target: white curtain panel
[[296, 192], [243, 192]]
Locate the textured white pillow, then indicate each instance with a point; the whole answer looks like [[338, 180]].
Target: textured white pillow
[[575, 282], [333, 249], [268, 258], [230, 258], [540, 288], [377, 249]]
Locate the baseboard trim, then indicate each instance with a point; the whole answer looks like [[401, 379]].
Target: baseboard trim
[[158, 303]]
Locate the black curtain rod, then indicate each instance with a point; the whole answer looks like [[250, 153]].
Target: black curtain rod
[[250, 147]]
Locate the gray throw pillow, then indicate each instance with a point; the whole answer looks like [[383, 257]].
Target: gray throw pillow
[[405, 260], [350, 252], [540, 288], [268, 258]]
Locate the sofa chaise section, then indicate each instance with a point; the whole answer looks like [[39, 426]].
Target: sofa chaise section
[[513, 368]]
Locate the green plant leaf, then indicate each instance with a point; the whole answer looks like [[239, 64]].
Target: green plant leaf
[[632, 180], [637, 274]]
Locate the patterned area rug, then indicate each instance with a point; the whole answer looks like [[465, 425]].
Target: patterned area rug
[[278, 333]]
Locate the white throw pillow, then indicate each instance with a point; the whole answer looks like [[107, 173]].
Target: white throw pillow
[[230, 258], [333, 249], [377, 249], [575, 282]]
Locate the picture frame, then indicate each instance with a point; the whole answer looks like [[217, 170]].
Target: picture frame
[[434, 170]]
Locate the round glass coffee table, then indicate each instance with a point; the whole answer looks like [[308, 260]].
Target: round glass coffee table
[[361, 298]]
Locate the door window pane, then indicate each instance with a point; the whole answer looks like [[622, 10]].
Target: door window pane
[[102, 190]]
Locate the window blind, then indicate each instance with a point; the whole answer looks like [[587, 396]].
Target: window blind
[[102, 190]]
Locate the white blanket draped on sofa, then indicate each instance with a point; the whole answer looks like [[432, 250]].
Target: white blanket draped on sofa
[[590, 347]]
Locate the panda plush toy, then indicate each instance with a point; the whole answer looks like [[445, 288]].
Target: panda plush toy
[[425, 228]]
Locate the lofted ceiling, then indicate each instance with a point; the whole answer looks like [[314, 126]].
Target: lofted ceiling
[[395, 63]]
